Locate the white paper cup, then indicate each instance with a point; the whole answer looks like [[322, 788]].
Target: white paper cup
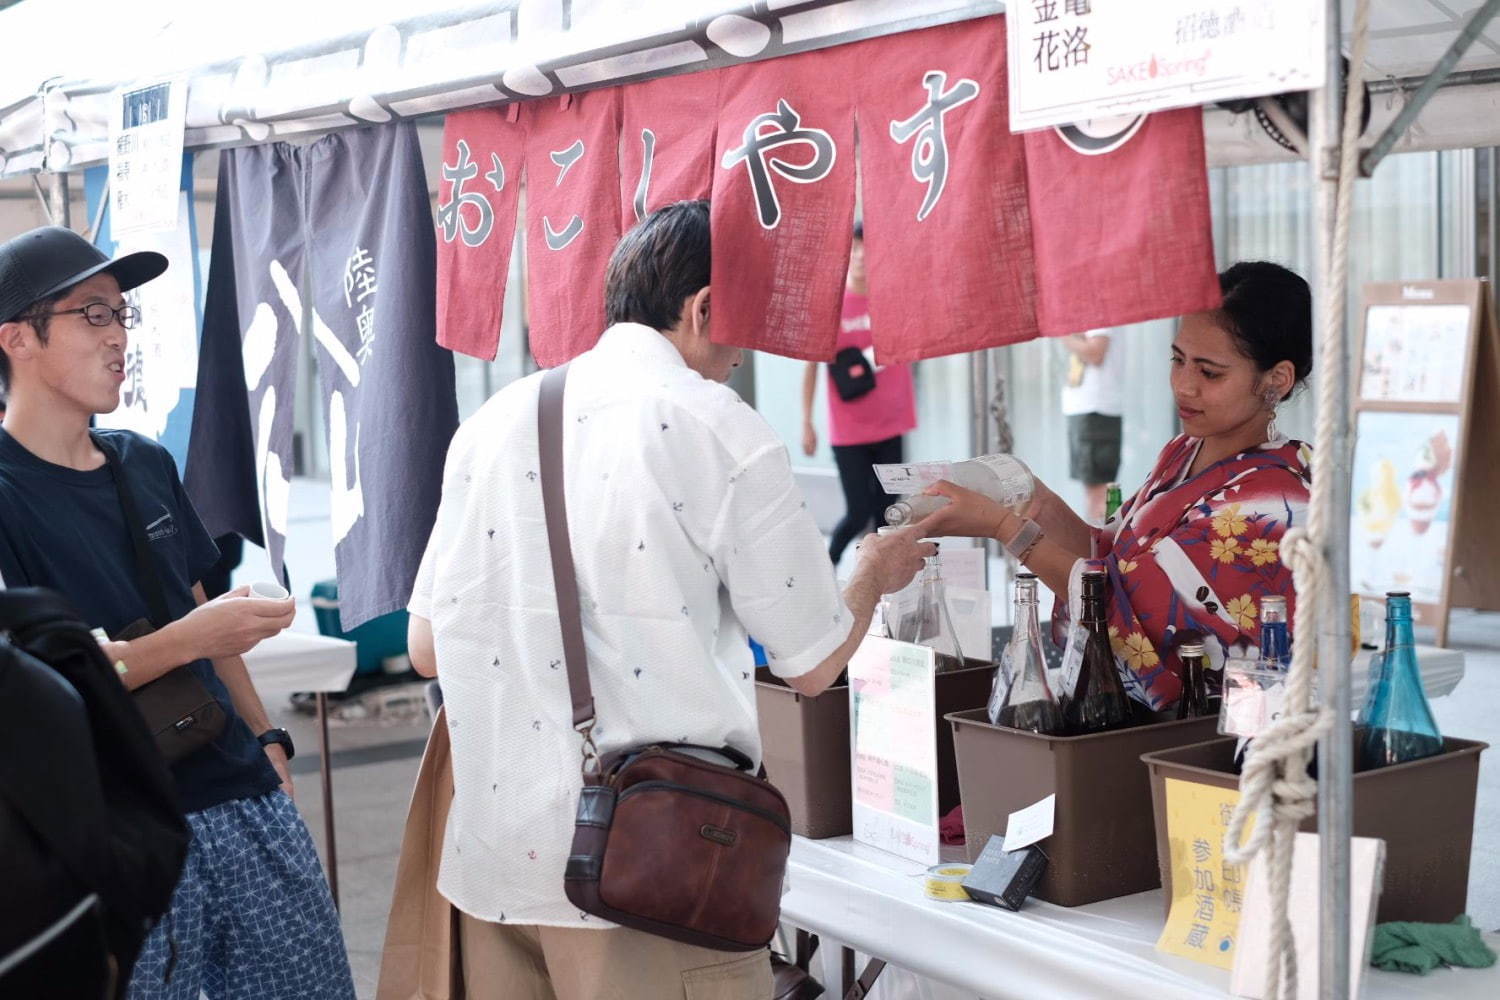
[[269, 591]]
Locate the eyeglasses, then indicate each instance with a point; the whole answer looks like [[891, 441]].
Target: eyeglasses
[[99, 314]]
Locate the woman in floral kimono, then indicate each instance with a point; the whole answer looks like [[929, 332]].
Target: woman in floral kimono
[[1197, 547]]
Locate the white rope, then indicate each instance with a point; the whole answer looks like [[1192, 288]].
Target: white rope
[[1275, 790]]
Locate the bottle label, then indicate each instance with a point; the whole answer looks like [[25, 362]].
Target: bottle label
[[912, 477], [1072, 662], [1013, 481], [1253, 698]]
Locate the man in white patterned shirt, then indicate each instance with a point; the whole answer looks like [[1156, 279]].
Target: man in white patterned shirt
[[688, 532]]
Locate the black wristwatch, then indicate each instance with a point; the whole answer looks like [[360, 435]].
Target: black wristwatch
[[278, 736]]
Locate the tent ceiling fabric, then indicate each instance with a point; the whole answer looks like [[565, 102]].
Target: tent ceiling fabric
[[298, 68], [1408, 36], [295, 68]]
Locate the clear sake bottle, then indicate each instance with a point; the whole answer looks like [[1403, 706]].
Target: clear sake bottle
[[1097, 700], [1399, 723], [1021, 697], [1005, 479], [932, 625]]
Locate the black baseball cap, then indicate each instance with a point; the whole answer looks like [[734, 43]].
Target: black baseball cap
[[45, 261]]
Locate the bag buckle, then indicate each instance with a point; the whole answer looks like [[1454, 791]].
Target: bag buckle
[[590, 751]]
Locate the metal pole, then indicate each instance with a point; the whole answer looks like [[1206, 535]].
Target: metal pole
[[979, 402], [57, 199], [325, 771], [1335, 750]]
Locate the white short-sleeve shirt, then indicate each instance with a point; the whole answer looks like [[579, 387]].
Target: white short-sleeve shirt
[[688, 532], [1099, 388]]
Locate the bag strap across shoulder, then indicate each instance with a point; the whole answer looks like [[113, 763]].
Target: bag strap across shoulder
[[564, 576], [148, 576]]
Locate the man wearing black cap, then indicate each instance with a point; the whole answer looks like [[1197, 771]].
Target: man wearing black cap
[[252, 915]]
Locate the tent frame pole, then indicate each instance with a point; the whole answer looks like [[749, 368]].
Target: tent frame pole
[[1429, 86], [1335, 749]]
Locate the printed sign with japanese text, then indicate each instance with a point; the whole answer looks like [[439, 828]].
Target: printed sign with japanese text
[[1208, 893], [893, 734], [1076, 60], [145, 156]]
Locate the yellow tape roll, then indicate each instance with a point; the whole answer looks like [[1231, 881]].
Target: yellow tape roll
[[944, 882]]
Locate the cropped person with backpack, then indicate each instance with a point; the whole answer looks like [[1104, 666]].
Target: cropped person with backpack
[[94, 837], [101, 517]]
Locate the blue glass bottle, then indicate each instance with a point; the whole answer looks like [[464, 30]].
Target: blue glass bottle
[[1400, 724], [1275, 642]]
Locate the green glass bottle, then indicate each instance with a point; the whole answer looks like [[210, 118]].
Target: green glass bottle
[[1112, 500]]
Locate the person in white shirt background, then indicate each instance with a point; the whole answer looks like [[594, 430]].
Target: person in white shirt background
[[1093, 400], [689, 534]]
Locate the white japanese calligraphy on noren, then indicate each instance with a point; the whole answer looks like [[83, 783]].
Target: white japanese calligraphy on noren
[[359, 285], [359, 274], [560, 239], [450, 213], [648, 159], [929, 155], [756, 153]]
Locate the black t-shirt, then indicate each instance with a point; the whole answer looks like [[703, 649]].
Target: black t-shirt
[[63, 529]]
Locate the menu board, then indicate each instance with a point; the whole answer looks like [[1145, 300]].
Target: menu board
[[1413, 355], [893, 748], [1402, 492], [1424, 468]]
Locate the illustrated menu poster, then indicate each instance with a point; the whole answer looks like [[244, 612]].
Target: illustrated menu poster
[[893, 748], [1207, 892], [1402, 498], [1414, 353]]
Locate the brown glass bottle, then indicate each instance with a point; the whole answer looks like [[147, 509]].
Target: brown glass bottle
[[1194, 700], [1097, 699]]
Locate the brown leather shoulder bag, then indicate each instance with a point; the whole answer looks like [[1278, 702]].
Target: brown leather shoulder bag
[[664, 841]]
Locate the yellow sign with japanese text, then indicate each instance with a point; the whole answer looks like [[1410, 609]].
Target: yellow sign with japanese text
[[1207, 894]]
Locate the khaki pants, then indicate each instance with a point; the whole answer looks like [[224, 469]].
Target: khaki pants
[[518, 962]]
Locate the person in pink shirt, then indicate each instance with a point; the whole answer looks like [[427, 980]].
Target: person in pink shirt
[[870, 407]]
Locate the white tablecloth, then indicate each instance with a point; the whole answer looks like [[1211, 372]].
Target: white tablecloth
[[299, 661], [872, 901], [1442, 669]]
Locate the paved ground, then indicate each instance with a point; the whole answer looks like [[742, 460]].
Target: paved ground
[[375, 763]]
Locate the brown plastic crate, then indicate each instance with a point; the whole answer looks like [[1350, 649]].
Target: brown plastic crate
[[1103, 839], [1423, 810], [805, 744]]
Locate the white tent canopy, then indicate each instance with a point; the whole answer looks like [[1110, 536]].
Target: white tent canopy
[[280, 68], [288, 67]]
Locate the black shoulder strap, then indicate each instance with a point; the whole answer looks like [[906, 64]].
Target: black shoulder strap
[[147, 574]]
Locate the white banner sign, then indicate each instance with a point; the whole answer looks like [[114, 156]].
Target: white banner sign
[[161, 359], [145, 156], [1075, 60]]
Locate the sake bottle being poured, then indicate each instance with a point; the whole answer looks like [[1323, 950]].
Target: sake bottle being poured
[[1021, 697], [1005, 479]]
